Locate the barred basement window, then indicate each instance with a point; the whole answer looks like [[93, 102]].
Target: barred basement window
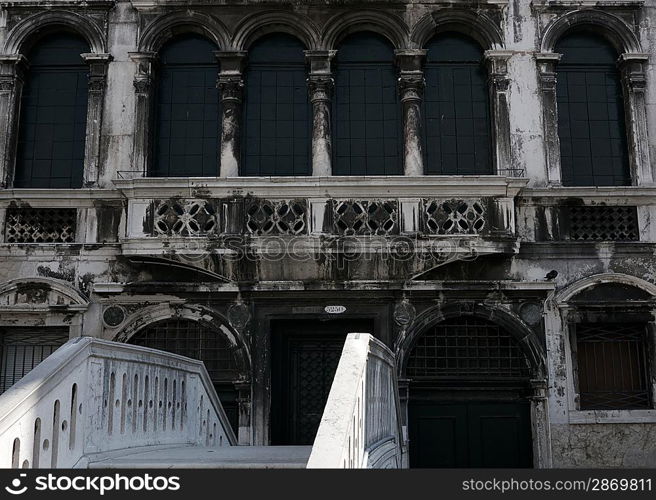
[[467, 348], [22, 348], [613, 366], [191, 339], [40, 225]]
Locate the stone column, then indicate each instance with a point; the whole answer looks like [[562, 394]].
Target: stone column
[[244, 436], [635, 84], [497, 64], [143, 86], [320, 86], [231, 87], [12, 77], [411, 90], [98, 64], [547, 62], [542, 455]]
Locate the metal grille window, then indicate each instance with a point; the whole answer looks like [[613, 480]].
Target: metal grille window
[[591, 126], [188, 120], [366, 123], [52, 131], [277, 111], [602, 223], [40, 225], [613, 366], [467, 348], [22, 348], [456, 108], [191, 339]]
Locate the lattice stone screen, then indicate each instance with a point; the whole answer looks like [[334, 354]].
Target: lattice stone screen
[[184, 217], [454, 216], [365, 217], [264, 217], [603, 223], [40, 225]]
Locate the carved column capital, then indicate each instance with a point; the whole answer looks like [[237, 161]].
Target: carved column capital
[[497, 64], [320, 87], [547, 62], [632, 67], [97, 70], [143, 77], [12, 69], [231, 88], [411, 87]]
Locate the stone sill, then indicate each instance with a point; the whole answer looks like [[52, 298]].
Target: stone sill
[[345, 187], [612, 416], [57, 198], [613, 195]]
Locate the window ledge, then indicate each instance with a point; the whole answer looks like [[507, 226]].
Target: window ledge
[[612, 416]]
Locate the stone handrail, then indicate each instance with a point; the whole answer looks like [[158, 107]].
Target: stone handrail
[[92, 397], [361, 425]]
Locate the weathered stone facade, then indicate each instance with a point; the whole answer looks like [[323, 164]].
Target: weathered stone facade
[[239, 254]]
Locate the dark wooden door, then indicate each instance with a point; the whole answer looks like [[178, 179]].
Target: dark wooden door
[[305, 355], [477, 434]]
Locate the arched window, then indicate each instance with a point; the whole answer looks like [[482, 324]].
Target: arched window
[[591, 127], [193, 340], [366, 128], [52, 133], [277, 111], [187, 115], [456, 108]]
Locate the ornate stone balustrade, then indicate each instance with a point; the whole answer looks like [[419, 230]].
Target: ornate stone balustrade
[[93, 396], [361, 425]]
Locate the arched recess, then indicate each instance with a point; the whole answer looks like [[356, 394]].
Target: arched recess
[[168, 26], [366, 109], [37, 290], [456, 107], [387, 25], [478, 26], [277, 113], [606, 24], [258, 25], [200, 333], [473, 381], [28, 31], [187, 118], [567, 293]]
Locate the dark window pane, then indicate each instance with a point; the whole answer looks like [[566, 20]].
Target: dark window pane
[[366, 109], [591, 125], [277, 109], [613, 368], [456, 108], [187, 110], [52, 126]]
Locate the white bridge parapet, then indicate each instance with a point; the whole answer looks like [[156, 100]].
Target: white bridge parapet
[[93, 397], [361, 425]]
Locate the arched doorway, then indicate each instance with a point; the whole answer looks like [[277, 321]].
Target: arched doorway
[[469, 388]]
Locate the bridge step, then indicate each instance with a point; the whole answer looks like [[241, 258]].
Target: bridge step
[[195, 457]]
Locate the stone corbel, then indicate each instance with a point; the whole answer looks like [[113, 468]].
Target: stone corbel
[[12, 76], [320, 87], [143, 83], [499, 83], [547, 62], [98, 64], [411, 92], [231, 88], [632, 67]]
